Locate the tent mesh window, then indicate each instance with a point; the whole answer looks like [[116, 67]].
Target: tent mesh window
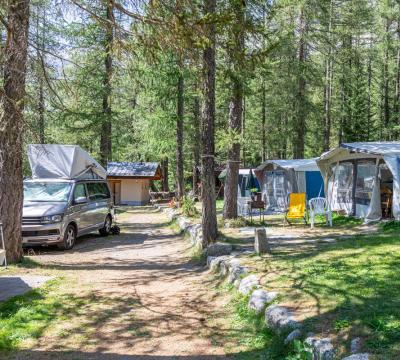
[[275, 190], [345, 186], [365, 182]]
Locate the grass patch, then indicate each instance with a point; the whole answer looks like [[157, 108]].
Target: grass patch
[[25, 317], [353, 285]]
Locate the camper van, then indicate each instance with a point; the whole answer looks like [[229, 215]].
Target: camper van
[[72, 200]]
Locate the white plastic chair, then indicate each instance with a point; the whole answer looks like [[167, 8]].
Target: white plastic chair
[[319, 206], [242, 205]]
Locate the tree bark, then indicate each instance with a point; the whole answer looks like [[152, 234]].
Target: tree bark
[[328, 84], [196, 144], [396, 108], [235, 113], [209, 214], [106, 124], [11, 127], [301, 94], [386, 111], [40, 44], [164, 171], [180, 190], [263, 123]]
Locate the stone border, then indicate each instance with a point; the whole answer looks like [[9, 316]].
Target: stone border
[[280, 319]]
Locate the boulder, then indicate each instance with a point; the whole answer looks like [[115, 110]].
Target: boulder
[[183, 223], [215, 262], [261, 245], [260, 298], [322, 348], [227, 265], [364, 356], [236, 273], [355, 345], [219, 249], [294, 335], [280, 319], [248, 284]]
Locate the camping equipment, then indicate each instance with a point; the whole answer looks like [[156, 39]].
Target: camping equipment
[[297, 207], [319, 206], [63, 162], [362, 179], [279, 178]]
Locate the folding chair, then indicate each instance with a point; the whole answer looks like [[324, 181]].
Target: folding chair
[[297, 207], [319, 206]]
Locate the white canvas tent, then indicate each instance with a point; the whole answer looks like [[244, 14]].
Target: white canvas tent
[[63, 161], [279, 178], [356, 174]]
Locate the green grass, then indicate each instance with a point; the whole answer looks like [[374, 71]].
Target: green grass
[[27, 316], [354, 284]]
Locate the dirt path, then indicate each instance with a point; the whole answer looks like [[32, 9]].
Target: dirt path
[[136, 296]]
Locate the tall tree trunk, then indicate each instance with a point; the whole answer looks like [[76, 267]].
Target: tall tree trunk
[[209, 214], [235, 112], [301, 94], [164, 172], [328, 84], [196, 144], [263, 123], [244, 132], [40, 44], [180, 191], [397, 91], [386, 109], [369, 83], [11, 127], [106, 125]]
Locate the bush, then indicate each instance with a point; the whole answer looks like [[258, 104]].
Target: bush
[[189, 206]]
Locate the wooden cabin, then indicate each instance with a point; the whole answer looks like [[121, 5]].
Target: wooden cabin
[[130, 181]]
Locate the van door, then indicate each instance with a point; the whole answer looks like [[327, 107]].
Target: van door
[[99, 196], [80, 211]]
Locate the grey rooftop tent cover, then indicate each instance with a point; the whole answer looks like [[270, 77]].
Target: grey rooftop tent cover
[[63, 162], [355, 174]]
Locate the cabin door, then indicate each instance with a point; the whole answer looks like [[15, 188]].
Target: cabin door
[[116, 191]]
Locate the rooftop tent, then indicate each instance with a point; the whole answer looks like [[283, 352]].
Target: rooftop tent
[[360, 178], [63, 161], [279, 178], [246, 181]]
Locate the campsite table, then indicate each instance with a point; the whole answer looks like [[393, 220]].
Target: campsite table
[[254, 204]]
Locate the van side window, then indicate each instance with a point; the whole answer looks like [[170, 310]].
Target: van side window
[[79, 191], [98, 191]]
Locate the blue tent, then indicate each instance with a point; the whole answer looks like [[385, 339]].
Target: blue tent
[[279, 178]]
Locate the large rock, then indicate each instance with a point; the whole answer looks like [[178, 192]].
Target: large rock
[[260, 298], [248, 284], [322, 348], [196, 234], [236, 273], [364, 356], [172, 214], [280, 319], [183, 223], [355, 345], [215, 262], [261, 245], [227, 265], [294, 335], [219, 249]]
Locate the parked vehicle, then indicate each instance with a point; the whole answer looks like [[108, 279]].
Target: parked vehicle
[[57, 211]]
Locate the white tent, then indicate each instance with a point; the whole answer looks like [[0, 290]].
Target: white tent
[[63, 161], [279, 178], [356, 174]]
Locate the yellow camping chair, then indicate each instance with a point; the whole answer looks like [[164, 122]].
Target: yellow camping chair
[[297, 207]]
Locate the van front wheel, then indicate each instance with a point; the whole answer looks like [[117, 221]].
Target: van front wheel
[[69, 238], [106, 229]]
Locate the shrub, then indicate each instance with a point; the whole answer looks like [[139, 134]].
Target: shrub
[[189, 206]]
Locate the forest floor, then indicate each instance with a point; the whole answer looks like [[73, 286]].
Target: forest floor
[[138, 295]]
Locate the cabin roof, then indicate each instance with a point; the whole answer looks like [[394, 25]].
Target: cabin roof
[[146, 170]]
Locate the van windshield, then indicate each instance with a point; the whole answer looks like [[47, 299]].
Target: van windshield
[[42, 191]]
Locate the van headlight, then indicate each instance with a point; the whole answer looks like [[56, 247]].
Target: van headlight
[[52, 219]]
